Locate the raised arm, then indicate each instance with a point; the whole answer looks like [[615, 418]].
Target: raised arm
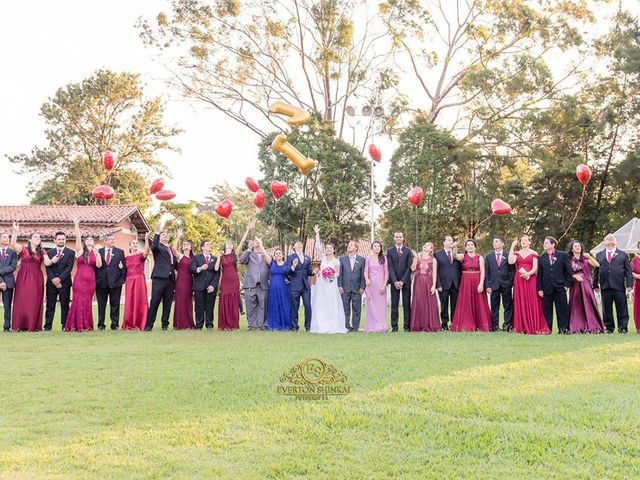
[[15, 229], [319, 247], [414, 264], [76, 230], [458, 256], [512, 253], [591, 260], [176, 245], [267, 257], [216, 267], [244, 237], [147, 249]]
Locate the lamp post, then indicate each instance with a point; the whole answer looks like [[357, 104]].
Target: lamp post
[[374, 114]]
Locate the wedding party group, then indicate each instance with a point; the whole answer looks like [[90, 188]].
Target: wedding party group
[[447, 289]]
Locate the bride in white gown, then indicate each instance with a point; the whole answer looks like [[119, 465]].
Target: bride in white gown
[[327, 312]]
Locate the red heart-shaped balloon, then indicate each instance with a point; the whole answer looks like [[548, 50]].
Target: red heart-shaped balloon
[[375, 153], [164, 195], [224, 208], [156, 186], [278, 189], [259, 198], [251, 184], [583, 172], [500, 207], [415, 196], [103, 192], [108, 161]]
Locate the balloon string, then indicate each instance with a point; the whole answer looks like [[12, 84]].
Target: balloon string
[[416, 242], [475, 229], [575, 215]]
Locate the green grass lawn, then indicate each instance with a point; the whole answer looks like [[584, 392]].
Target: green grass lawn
[[198, 404]]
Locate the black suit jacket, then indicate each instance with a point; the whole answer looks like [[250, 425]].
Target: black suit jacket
[[496, 277], [114, 274], [8, 265], [163, 267], [612, 276], [62, 268], [448, 273], [299, 277], [400, 265], [206, 278], [558, 275]]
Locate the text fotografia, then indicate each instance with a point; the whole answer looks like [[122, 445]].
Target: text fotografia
[[313, 379]]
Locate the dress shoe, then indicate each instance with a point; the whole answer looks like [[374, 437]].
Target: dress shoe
[[394, 329], [210, 327], [146, 329], [445, 328], [6, 329], [114, 327], [165, 327], [48, 329], [623, 331], [100, 327]]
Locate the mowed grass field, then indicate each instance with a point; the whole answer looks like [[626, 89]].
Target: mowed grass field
[[198, 404]]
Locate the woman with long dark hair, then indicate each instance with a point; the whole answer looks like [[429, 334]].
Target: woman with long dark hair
[[183, 307], [29, 292], [376, 275], [80, 318], [472, 308], [584, 316], [227, 261]]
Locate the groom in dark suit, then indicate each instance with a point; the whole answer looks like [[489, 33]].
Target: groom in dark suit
[[610, 278], [301, 270], [163, 279], [448, 279], [8, 263], [351, 285], [498, 282], [555, 277], [59, 280], [400, 259], [205, 285], [109, 280]]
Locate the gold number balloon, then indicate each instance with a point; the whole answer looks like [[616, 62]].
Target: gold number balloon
[[297, 116], [304, 164]]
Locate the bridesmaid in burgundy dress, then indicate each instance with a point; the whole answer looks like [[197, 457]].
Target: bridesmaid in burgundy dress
[[80, 317], [424, 305], [635, 268], [136, 304], [29, 292], [183, 307], [584, 316], [528, 316], [228, 305], [472, 309]]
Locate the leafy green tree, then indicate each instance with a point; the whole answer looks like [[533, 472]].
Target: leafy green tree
[[105, 111]]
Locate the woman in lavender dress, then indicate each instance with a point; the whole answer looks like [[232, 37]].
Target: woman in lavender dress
[[376, 275], [584, 316]]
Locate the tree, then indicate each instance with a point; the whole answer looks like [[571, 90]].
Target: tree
[[240, 56], [334, 196], [107, 111]]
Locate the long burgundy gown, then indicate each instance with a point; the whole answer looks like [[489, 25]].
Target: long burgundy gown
[[472, 309], [424, 305], [183, 308], [135, 290], [228, 311], [635, 266], [29, 293], [528, 316], [80, 318], [584, 316]]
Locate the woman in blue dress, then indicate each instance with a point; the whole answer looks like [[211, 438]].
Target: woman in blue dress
[[279, 316]]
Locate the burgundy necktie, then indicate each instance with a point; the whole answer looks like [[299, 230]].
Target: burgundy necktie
[[108, 259], [169, 252], [498, 259], [449, 255], [206, 260], [4, 253], [609, 257], [399, 250]]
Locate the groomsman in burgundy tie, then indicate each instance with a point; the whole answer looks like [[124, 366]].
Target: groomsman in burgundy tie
[[8, 263], [555, 277], [448, 279], [400, 258], [610, 278], [109, 280], [163, 279], [498, 282], [58, 280], [205, 285]]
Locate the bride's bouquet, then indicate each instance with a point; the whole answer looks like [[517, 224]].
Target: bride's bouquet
[[329, 273]]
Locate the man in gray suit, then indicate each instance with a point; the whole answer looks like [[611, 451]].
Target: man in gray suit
[[351, 285], [256, 286]]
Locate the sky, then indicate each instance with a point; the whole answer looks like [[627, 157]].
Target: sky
[[44, 45]]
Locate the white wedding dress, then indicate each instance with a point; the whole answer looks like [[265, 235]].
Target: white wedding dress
[[327, 312]]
